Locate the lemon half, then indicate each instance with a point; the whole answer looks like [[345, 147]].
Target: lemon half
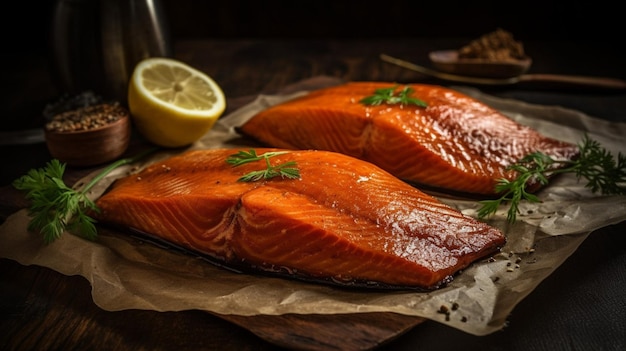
[[173, 104]]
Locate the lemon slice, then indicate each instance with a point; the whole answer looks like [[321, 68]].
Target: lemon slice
[[173, 104]]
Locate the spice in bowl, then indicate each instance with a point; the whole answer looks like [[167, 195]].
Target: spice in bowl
[[90, 117], [89, 135], [497, 46]]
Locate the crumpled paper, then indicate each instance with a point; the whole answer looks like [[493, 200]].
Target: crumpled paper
[[127, 272]]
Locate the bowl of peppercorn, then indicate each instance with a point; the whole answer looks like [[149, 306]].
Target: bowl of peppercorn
[[89, 135]]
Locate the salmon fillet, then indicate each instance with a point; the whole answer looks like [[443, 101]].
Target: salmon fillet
[[456, 144], [344, 221]]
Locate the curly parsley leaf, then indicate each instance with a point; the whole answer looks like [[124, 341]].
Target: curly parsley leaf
[[55, 207]]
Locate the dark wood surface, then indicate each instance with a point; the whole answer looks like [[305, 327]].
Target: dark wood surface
[[581, 306]]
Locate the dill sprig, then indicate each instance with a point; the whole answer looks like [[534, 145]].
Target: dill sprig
[[55, 207], [603, 172], [283, 170], [389, 96]]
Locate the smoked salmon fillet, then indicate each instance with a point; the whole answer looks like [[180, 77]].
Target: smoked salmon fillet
[[343, 221], [456, 143]]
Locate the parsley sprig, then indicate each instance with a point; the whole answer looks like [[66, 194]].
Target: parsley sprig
[[389, 96], [55, 207], [283, 170], [603, 172]]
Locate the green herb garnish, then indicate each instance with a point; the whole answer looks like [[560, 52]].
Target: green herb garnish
[[56, 207], [283, 170], [602, 171], [389, 96]]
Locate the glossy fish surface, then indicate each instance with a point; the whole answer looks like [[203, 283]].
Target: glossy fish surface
[[455, 144], [343, 220]]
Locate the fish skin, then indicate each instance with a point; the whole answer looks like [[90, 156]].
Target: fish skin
[[456, 144], [345, 220]]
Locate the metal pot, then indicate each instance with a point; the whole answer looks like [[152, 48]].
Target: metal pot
[[95, 44]]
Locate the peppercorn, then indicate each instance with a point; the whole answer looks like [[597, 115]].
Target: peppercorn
[[86, 118]]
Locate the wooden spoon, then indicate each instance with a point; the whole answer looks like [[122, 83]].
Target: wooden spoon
[[541, 80], [448, 61]]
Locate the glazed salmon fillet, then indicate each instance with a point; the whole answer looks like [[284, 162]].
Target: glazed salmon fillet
[[343, 221], [456, 143]]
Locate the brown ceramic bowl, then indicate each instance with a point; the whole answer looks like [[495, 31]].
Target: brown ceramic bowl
[[93, 146]]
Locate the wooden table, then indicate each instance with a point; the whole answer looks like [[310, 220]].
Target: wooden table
[[581, 306]]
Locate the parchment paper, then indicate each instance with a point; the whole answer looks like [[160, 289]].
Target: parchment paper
[[128, 273]]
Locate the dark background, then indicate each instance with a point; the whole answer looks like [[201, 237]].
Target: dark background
[[390, 18], [26, 24]]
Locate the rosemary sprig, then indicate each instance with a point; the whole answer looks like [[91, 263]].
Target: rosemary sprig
[[56, 207], [603, 173], [388, 96], [283, 170]]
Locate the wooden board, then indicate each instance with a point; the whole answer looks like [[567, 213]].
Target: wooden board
[[360, 331]]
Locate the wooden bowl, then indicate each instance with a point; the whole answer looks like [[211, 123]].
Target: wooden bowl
[[448, 61], [92, 146]]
